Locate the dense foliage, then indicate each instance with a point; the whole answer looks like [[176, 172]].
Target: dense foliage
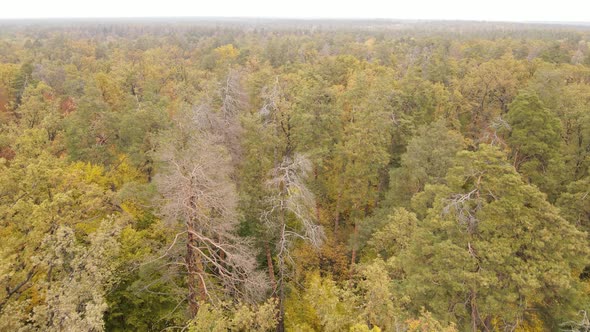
[[301, 176]]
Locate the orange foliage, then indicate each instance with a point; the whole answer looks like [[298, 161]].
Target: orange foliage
[[67, 105], [7, 153]]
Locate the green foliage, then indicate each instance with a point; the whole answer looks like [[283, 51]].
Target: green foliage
[[428, 157], [494, 240], [239, 318], [575, 203], [427, 323], [394, 237], [535, 141], [378, 307], [333, 306], [569, 101], [555, 53]]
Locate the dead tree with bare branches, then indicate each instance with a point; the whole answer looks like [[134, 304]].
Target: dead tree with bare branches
[[198, 193], [291, 216], [289, 213]]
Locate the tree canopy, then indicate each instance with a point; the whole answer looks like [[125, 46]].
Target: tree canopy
[[319, 175]]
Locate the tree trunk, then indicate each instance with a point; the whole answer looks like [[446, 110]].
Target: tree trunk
[[201, 277], [197, 290], [337, 217], [355, 237], [190, 260], [474, 314], [317, 202], [353, 254], [281, 303], [271, 270], [281, 323]]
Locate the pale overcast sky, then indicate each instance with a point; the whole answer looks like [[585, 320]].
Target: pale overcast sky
[[486, 10]]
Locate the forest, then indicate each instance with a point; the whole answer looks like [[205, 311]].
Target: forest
[[284, 175]]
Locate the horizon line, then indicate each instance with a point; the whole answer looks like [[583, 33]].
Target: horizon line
[[295, 18]]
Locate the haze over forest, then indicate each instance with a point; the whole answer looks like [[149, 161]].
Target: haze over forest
[[274, 174]]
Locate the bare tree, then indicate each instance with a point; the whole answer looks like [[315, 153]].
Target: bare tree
[[233, 97], [233, 100], [291, 199], [197, 191], [290, 208]]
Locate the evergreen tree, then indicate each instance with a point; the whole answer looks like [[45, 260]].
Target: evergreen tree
[[535, 141], [492, 250]]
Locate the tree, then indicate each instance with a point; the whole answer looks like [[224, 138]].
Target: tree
[[489, 88], [378, 307], [334, 306], [535, 141], [56, 257], [492, 249], [197, 191], [395, 236], [575, 203], [569, 101], [361, 154], [78, 279], [239, 317], [428, 157], [39, 107], [289, 214]]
